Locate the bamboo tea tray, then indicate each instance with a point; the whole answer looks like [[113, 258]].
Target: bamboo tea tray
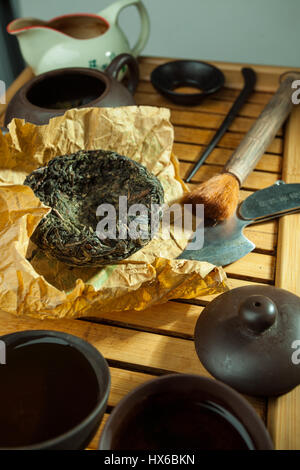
[[142, 345]]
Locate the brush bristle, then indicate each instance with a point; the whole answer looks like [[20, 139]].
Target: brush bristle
[[219, 195]]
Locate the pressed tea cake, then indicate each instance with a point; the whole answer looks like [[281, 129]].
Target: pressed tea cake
[[74, 186]]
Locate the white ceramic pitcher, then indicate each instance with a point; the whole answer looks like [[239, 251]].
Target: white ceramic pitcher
[[78, 40]]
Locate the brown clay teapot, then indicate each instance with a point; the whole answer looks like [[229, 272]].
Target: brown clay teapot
[[53, 93]]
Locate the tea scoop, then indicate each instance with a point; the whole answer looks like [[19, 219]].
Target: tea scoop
[[249, 338]]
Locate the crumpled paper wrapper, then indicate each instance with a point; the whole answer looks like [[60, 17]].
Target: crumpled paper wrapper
[[35, 285]]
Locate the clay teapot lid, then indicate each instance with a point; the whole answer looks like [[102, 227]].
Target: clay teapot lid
[[249, 338]]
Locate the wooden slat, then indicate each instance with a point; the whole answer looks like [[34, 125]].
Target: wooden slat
[[230, 140], [210, 113], [219, 156], [284, 412], [230, 94], [173, 318], [233, 283], [255, 267], [209, 121], [208, 105], [225, 94], [144, 351], [263, 240]]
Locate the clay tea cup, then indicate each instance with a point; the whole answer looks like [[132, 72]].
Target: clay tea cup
[[182, 411], [54, 391]]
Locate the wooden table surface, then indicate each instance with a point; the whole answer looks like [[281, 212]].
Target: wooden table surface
[[141, 345]]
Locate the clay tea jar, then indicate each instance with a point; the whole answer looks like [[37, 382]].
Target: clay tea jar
[[53, 93], [248, 338]]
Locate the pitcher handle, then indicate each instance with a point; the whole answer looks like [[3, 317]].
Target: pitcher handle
[[111, 14], [120, 61]]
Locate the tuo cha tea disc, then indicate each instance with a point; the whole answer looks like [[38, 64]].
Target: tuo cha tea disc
[[75, 186]]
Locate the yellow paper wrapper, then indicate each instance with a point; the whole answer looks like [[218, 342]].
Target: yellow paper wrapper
[[35, 285]]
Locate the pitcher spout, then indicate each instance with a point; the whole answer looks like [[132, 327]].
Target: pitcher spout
[[35, 41], [21, 25]]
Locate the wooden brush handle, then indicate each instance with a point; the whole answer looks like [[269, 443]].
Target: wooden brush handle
[[263, 131]]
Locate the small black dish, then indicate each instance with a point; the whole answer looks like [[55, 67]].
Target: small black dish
[[187, 73]]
